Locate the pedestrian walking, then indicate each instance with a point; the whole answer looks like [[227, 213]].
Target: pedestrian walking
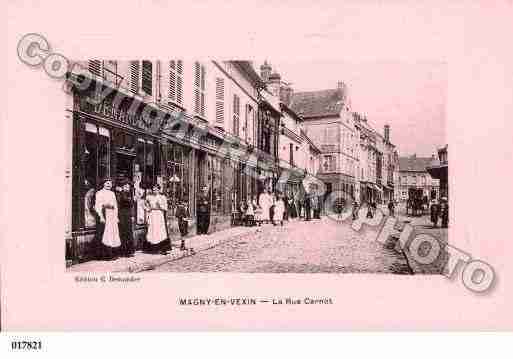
[[307, 207], [106, 207], [250, 214], [286, 205], [279, 210], [355, 211], [271, 208], [126, 203], [369, 211], [444, 212], [435, 212], [265, 202], [258, 212], [203, 211], [183, 216], [292, 207], [157, 238], [391, 208]]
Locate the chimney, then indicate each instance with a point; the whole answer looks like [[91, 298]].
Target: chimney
[[265, 71], [387, 133], [342, 90], [274, 83], [286, 94]]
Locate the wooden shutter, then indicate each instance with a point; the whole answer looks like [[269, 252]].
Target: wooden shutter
[[147, 70], [203, 100], [95, 67], [197, 81], [172, 80], [236, 114], [176, 81], [134, 76], [179, 81], [220, 100]]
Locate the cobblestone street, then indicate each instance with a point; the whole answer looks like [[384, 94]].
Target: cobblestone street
[[318, 246]]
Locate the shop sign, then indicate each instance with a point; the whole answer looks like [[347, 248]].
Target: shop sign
[[119, 113]]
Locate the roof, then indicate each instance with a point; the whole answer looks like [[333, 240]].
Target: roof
[[247, 67], [318, 103], [413, 163]]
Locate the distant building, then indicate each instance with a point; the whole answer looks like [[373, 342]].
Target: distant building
[[414, 179], [439, 168], [298, 155], [329, 123]]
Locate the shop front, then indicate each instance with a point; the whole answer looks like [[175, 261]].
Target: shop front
[[116, 142]]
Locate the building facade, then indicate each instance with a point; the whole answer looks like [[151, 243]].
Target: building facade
[[439, 169], [182, 124], [298, 155], [329, 123], [414, 180]]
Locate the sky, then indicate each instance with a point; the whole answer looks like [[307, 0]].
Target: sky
[[410, 96]]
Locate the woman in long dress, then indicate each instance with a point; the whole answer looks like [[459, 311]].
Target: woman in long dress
[[157, 238], [125, 204], [258, 212], [106, 207], [265, 203], [279, 209]]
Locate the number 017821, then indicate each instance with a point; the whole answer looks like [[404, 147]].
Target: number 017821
[[26, 345]]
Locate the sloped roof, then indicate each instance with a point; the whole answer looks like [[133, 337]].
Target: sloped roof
[[413, 163], [317, 103]]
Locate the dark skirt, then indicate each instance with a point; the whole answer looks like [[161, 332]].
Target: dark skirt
[[183, 226], [125, 232]]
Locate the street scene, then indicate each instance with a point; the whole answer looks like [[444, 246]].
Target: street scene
[[234, 166]]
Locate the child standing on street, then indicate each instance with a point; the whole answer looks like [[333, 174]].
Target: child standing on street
[[182, 215]]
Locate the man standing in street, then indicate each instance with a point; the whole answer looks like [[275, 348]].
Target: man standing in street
[[203, 211], [444, 212], [307, 206], [391, 208]]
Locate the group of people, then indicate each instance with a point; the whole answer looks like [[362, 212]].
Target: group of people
[[113, 210], [278, 207], [440, 211]]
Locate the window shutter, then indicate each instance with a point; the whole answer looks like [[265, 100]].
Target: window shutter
[[197, 100], [134, 76], [220, 100], [179, 82], [203, 102], [172, 80], [95, 67], [147, 70], [197, 74], [197, 92], [236, 113]]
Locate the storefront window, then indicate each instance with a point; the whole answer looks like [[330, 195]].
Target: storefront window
[[96, 166], [215, 178], [144, 174], [178, 174]]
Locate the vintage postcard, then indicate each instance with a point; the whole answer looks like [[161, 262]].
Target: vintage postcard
[[256, 167]]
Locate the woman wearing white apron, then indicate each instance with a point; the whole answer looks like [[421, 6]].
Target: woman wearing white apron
[[157, 237], [107, 208], [279, 209]]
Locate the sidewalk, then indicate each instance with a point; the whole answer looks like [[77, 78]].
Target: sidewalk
[[144, 261]]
